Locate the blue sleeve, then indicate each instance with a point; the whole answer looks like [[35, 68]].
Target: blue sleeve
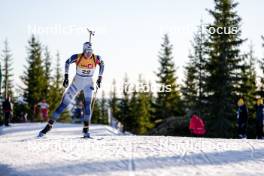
[[69, 61], [101, 65]]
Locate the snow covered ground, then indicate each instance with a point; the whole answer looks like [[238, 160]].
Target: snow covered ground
[[64, 153]]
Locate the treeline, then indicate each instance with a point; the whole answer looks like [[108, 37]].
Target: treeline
[[139, 109], [217, 74], [40, 80]]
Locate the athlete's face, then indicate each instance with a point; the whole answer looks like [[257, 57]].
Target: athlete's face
[[88, 53]]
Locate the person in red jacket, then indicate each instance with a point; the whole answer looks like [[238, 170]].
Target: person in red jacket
[[197, 126], [44, 110]]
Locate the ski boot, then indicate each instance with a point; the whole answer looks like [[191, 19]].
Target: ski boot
[[86, 133], [46, 129]]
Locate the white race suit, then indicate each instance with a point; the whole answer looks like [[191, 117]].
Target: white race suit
[[85, 68]]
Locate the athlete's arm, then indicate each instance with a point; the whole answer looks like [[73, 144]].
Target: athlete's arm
[[100, 62], [69, 61]]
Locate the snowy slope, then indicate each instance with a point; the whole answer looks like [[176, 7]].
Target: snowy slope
[[63, 152]]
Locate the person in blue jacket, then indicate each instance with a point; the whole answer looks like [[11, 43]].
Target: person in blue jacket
[[242, 118], [259, 118]]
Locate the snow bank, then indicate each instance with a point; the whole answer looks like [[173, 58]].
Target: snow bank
[[64, 153]]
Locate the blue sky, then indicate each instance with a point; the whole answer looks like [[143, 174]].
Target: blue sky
[[128, 33]]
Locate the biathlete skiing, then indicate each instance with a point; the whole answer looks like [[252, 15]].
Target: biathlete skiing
[[86, 63]]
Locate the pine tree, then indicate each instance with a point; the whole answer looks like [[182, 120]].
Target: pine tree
[[7, 70], [189, 89], [103, 109], [224, 67], [200, 65], [152, 103], [195, 74], [113, 102], [132, 119], [96, 113], [99, 114], [248, 86], [139, 119], [249, 89], [168, 101], [56, 89], [47, 70], [143, 113], [261, 65], [124, 113], [33, 77]]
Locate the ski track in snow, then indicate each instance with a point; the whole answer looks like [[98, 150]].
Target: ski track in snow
[[62, 152]]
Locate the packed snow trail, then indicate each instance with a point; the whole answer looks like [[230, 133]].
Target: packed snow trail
[[62, 152]]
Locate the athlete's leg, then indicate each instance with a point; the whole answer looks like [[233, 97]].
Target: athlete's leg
[[66, 100], [88, 92]]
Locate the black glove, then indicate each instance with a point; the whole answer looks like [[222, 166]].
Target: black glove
[[66, 81], [99, 80]]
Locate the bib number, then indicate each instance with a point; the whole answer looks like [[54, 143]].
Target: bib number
[[86, 72]]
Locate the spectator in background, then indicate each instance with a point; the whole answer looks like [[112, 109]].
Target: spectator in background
[[44, 110], [259, 118], [7, 110], [197, 125], [242, 119]]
